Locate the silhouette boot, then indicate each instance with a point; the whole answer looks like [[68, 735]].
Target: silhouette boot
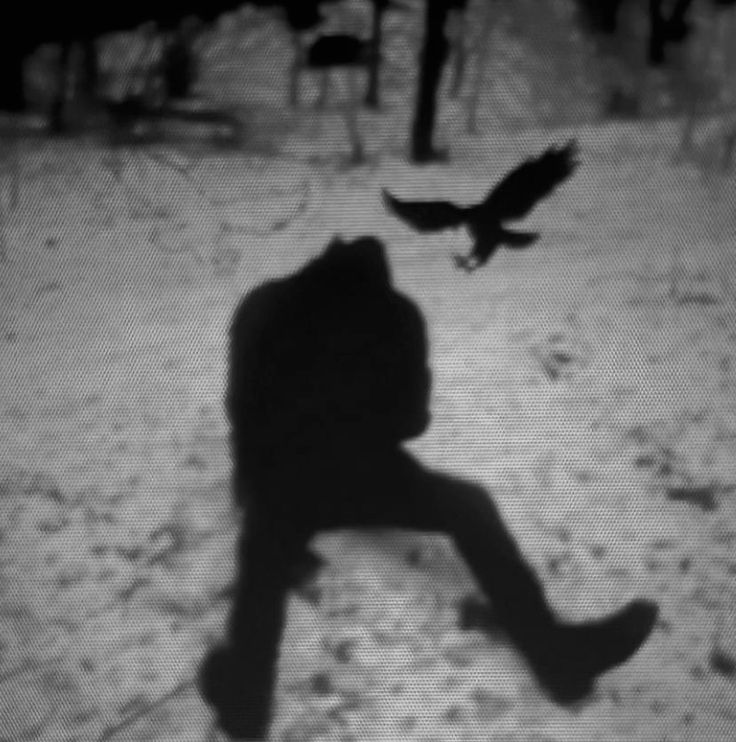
[[567, 658], [242, 709]]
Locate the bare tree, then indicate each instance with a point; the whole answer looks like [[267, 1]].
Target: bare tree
[[432, 60], [374, 57]]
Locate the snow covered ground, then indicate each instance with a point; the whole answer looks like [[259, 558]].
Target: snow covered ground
[[589, 383]]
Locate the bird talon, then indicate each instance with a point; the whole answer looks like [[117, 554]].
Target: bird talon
[[509, 200]]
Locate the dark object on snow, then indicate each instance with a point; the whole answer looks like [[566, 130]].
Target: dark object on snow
[[701, 497], [513, 198], [328, 376], [722, 663]]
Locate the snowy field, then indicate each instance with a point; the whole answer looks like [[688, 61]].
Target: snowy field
[[589, 383]]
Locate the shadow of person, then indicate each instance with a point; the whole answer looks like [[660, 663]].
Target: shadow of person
[[328, 376]]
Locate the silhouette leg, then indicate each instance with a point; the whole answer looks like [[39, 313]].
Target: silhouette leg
[[466, 512], [381, 489], [389, 489], [566, 658], [238, 679], [392, 490]]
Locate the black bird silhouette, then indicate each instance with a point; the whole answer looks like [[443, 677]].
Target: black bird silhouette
[[513, 198]]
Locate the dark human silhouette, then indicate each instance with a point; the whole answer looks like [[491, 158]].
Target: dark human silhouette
[[328, 376], [511, 199]]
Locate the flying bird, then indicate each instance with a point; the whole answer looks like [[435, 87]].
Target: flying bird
[[511, 199]]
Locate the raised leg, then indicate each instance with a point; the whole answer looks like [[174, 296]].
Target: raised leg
[[389, 489], [566, 658], [422, 499], [392, 490]]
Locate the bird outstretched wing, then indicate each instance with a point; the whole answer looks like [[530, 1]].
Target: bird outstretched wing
[[426, 216], [517, 194]]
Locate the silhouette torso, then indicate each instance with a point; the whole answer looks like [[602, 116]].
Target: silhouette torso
[[327, 364]]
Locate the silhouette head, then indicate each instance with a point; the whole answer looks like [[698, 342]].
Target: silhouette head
[[362, 261]]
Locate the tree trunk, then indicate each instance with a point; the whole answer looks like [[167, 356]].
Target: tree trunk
[[483, 50], [459, 52], [12, 96], [432, 60], [374, 51]]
